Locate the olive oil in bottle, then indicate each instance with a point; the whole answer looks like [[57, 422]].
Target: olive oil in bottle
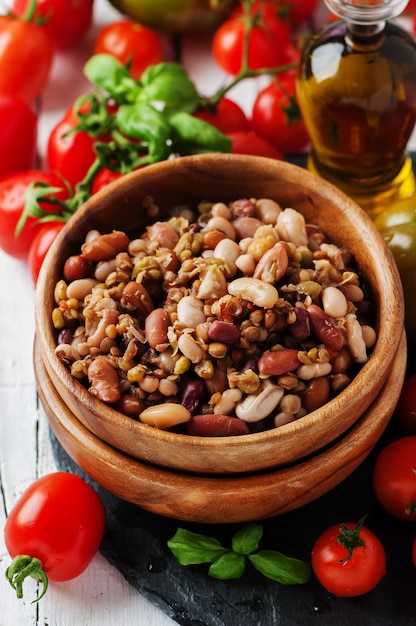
[[357, 92]]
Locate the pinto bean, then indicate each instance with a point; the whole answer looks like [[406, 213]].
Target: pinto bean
[[135, 297], [224, 332], [104, 381], [105, 247], [211, 425], [156, 328], [279, 362]]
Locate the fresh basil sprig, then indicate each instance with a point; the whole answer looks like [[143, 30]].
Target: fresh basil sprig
[[226, 563]]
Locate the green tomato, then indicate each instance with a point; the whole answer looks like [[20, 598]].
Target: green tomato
[[176, 15], [397, 226]]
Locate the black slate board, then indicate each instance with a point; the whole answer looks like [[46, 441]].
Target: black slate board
[[135, 543]]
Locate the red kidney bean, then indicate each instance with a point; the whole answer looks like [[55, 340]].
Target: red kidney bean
[[225, 332], [316, 393], [105, 246], [194, 395], [279, 362], [76, 267], [325, 329], [212, 425], [65, 336], [300, 329]]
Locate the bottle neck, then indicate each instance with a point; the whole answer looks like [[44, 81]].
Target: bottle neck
[[366, 12]]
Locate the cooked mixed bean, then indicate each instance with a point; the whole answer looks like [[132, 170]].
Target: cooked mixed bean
[[234, 319]]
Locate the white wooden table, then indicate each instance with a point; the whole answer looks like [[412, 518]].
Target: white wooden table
[[100, 596]]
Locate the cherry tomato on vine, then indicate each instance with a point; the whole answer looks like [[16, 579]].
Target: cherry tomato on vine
[[26, 55], [348, 559], [18, 135], [58, 524], [70, 153], [394, 478], [268, 45], [40, 245], [252, 144], [64, 21], [406, 407], [300, 10], [104, 178], [228, 116], [131, 42], [277, 118], [13, 190]]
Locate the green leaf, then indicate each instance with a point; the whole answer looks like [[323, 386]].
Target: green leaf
[[246, 540], [229, 565], [106, 72], [145, 124], [168, 87], [193, 135], [192, 548], [282, 569]]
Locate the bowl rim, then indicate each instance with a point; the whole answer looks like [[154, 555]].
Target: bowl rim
[[373, 368]]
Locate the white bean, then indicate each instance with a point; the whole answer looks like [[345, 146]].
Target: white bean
[[190, 348], [268, 210], [190, 312], [254, 290], [334, 302], [355, 340], [80, 288], [256, 407], [291, 226], [313, 370], [222, 224], [229, 251], [246, 264], [229, 399], [220, 209]]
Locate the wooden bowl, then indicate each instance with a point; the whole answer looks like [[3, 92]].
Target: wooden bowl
[[213, 499], [189, 180]]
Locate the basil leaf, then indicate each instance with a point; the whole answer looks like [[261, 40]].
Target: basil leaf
[[105, 71], [193, 135], [227, 566], [168, 87], [144, 123], [246, 540], [192, 548], [282, 569]]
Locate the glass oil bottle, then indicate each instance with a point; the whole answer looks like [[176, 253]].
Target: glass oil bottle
[[357, 92]]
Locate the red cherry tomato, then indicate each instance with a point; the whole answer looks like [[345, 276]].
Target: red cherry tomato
[[268, 45], [64, 21], [18, 135], [252, 144], [344, 574], [26, 55], [394, 478], [70, 153], [59, 520], [276, 116], [41, 243], [131, 42], [104, 178], [13, 191], [300, 10], [228, 117], [406, 407]]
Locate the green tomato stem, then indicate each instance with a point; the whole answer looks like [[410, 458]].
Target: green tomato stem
[[23, 566]]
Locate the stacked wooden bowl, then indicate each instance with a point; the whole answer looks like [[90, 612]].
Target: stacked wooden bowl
[[238, 478]]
